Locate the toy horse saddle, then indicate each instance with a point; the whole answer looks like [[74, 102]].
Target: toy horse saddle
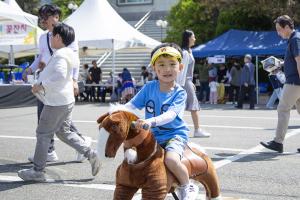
[[193, 161]]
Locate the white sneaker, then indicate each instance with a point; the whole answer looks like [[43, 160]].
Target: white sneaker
[[80, 157], [188, 192], [201, 133], [95, 162], [31, 175], [51, 157]]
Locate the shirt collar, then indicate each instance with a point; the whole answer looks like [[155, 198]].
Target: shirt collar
[[292, 35]]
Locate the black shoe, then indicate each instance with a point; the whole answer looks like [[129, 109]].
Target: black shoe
[[275, 146], [298, 150]]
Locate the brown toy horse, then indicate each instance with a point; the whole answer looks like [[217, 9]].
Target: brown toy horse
[[143, 166]]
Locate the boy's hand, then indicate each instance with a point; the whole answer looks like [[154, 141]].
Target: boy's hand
[[76, 88], [36, 88], [140, 124]]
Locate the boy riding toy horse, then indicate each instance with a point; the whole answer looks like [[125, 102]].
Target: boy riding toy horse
[[156, 160]]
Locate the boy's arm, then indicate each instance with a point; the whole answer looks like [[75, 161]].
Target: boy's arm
[[162, 119]]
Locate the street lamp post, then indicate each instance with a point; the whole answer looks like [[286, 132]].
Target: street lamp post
[[72, 6], [162, 24]]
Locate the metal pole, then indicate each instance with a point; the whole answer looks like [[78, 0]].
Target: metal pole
[[11, 55], [257, 89], [113, 63]]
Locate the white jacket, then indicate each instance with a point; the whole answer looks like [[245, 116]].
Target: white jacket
[[56, 78]]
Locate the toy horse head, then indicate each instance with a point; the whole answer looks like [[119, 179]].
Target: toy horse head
[[114, 129]]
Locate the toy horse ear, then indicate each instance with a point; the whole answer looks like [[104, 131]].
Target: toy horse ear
[[101, 118]]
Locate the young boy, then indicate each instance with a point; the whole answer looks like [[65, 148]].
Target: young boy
[[164, 103], [55, 86]]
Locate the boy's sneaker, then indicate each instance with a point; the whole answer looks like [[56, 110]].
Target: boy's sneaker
[[80, 157], [201, 133], [95, 162], [32, 175], [51, 157], [188, 192]]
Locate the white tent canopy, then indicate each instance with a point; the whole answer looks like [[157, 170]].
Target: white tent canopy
[[98, 25], [11, 12]]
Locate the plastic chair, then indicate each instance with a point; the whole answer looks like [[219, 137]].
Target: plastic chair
[[18, 75], [23, 66], [2, 76]]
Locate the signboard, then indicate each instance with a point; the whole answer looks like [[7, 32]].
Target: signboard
[[14, 33], [217, 59]]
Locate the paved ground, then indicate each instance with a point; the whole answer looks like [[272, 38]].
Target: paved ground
[[245, 169]]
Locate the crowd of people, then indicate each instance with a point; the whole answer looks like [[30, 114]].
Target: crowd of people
[[164, 98], [218, 83]]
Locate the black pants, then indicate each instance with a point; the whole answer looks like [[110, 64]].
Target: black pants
[[250, 90], [234, 92], [204, 89], [40, 107]]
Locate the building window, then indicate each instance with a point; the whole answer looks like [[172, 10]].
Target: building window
[[134, 2]]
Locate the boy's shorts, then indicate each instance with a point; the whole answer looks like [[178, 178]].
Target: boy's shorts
[[176, 144]]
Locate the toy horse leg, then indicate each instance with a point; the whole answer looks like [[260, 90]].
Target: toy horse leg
[[156, 187], [124, 192], [153, 195], [210, 181]]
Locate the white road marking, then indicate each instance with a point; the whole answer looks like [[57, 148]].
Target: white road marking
[[27, 137], [218, 164], [190, 125], [137, 196], [4, 178], [248, 152], [241, 117], [95, 141], [230, 127]]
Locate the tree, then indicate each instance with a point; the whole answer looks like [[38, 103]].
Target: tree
[[210, 18], [188, 14], [63, 4], [29, 6]]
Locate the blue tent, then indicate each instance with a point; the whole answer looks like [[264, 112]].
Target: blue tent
[[239, 43]]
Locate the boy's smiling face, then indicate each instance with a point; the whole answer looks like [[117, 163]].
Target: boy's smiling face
[[167, 68]]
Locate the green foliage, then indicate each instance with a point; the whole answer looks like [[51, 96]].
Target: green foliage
[[30, 6], [210, 18], [244, 19], [188, 14], [63, 4]]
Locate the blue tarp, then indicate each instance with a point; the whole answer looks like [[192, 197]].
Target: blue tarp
[[239, 43]]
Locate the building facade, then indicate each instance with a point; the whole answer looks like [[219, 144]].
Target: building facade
[[134, 10]]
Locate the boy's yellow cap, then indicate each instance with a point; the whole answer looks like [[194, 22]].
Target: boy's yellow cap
[[167, 51]]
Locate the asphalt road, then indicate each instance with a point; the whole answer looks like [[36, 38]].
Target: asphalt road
[[246, 170]]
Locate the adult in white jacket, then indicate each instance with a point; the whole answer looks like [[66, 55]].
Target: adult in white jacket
[[185, 79], [55, 89]]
